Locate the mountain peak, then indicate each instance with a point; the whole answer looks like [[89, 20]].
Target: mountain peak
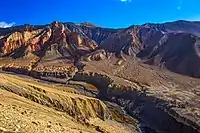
[[88, 24]]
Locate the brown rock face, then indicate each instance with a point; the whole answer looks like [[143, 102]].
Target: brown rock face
[[179, 54], [155, 44], [126, 41], [174, 46], [40, 40], [34, 48], [87, 30]]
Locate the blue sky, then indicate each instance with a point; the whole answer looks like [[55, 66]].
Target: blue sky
[[106, 13]]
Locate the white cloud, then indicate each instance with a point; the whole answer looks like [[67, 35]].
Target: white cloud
[[180, 4], [6, 25], [125, 0]]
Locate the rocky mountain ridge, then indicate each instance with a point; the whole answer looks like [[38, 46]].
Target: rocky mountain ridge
[[170, 45], [173, 45]]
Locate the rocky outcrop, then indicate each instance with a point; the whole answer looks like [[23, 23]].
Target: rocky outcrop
[[81, 109], [39, 50], [126, 41], [180, 26], [62, 72], [98, 34], [180, 54], [97, 55], [40, 40]]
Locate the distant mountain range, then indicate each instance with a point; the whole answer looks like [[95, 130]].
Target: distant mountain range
[[172, 45]]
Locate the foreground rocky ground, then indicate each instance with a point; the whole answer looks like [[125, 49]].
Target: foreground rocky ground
[[153, 95], [129, 96], [28, 106]]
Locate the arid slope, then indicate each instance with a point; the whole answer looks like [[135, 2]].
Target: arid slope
[[27, 105]]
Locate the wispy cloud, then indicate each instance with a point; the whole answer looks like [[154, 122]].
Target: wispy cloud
[[125, 0], [6, 25], [179, 4]]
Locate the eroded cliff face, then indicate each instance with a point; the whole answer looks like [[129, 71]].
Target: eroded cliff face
[[141, 101], [125, 41], [41, 50], [39, 40], [96, 33], [167, 45]]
